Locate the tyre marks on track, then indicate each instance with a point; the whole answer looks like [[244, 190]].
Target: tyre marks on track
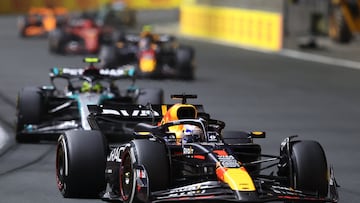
[[7, 107], [11, 105], [18, 150], [16, 156]]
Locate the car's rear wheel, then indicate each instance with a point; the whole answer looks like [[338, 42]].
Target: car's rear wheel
[[150, 96], [310, 172], [152, 156], [184, 62], [29, 111], [339, 31], [80, 163], [107, 56]]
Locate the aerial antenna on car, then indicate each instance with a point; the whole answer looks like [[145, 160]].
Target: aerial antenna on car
[[152, 114], [183, 97]]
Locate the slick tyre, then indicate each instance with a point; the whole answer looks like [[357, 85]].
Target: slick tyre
[[153, 157], [150, 96], [107, 56], [184, 62], [310, 172], [339, 31], [29, 111], [80, 164]]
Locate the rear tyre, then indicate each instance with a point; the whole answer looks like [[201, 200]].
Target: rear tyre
[[29, 110], [107, 56], [151, 96], [184, 62], [56, 41], [80, 164], [310, 172], [153, 157], [339, 31]]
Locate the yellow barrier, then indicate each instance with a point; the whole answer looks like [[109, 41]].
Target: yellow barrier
[[154, 4], [22, 6], [250, 28]]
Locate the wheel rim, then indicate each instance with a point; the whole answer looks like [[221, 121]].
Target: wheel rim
[[126, 177], [60, 166]]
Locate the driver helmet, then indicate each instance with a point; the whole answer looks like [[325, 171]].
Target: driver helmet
[[147, 31], [87, 87], [191, 133]]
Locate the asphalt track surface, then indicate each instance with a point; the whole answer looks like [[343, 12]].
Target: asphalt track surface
[[248, 90]]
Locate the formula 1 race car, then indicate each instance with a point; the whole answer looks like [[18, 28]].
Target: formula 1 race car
[[81, 35], [155, 56], [185, 155], [43, 113], [41, 20]]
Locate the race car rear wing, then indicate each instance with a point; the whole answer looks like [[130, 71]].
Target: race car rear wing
[[122, 118], [126, 71], [134, 111]]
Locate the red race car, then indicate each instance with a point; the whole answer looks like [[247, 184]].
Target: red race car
[[79, 36]]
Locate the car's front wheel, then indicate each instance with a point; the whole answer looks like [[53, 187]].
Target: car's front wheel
[[309, 166], [29, 111], [80, 163], [143, 159]]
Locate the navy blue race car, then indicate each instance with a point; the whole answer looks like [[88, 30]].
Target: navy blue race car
[[45, 112]]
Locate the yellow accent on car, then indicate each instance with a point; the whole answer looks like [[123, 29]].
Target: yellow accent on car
[[91, 60], [147, 65], [238, 179]]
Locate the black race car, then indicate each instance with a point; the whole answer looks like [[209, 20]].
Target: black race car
[[47, 111], [185, 155], [155, 56]]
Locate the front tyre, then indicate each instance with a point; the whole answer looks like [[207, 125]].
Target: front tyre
[[339, 31], [28, 97], [80, 164], [150, 156], [184, 62], [310, 172]]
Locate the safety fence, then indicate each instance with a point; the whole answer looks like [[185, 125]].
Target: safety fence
[[247, 27]]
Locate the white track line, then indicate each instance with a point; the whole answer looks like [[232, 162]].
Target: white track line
[[292, 54], [320, 59], [3, 137]]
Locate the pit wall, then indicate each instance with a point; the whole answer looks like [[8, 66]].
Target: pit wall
[[22, 6], [238, 22]]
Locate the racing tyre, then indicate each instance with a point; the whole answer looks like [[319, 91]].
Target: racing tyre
[[152, 157], [151, 96], [28, 97], [339, 31], [310, 171], [80, 163], [107, 56], [184, 62], [22, 26], [56, 40]]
